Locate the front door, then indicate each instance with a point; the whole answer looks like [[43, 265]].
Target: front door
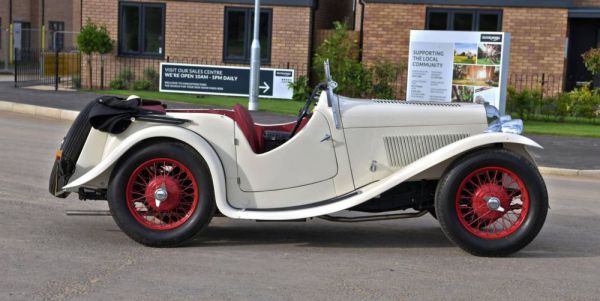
[[308, 158], [583, 36]]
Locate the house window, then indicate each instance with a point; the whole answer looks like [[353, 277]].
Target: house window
[[142, 29], [239, 25], [57, 35], [464, 20]]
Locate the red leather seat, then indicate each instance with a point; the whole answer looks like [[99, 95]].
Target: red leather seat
[[246, 123]]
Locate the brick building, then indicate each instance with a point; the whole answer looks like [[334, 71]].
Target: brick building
[[210, 31], [29, 18], [548, 37]]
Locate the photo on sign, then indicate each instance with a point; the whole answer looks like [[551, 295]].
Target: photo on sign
[[471, 75], [462, 93], [486, 95], [489, 54], [465, 53]]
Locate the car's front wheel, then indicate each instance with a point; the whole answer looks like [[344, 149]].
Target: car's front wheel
[[492, 202], [161, 195]]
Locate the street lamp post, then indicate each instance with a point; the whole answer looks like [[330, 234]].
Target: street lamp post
[[255, 60]]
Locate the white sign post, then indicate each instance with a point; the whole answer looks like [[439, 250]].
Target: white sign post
[[458, 66]]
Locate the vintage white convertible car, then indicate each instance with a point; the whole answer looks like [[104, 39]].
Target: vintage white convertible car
[[166, 173]]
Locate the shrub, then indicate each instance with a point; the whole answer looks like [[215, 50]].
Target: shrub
[[118, 84], [301, 89], [591, 59], [152, 76], [346, 69], [584, 102], [142, 85], [76, 81], [384, 75], [525, 103], [94, 39]]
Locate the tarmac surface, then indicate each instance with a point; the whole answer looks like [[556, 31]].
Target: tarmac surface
[[45, 255]]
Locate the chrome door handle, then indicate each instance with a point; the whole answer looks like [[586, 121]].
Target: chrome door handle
[[327, 137]]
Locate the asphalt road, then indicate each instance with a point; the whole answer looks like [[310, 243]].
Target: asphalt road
[[46, 255]]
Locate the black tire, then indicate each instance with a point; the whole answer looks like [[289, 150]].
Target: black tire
[[518, 237], [432, 212], [196, 220]]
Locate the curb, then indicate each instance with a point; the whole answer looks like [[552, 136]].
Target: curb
[[68, 115], [39, 111], [594, 174]]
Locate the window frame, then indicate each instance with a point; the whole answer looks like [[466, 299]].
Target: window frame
[[248, 35], [61, 34], [475, 12], [141, 29]]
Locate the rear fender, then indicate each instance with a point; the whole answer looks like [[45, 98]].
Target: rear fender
[[186, 136]]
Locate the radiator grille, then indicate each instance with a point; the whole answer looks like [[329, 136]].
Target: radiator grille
[[403, 150]]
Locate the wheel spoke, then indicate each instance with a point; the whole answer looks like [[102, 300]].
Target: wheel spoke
[[176, 209]]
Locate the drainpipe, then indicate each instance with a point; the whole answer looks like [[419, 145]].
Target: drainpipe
[[311, 49], [10, 33], [43, 28], [362, 27]]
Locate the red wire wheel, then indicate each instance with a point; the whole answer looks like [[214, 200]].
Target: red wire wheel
[[162, 194], [492, 202]]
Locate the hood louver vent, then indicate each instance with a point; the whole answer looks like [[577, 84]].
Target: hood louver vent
[[403, 150], [416, 103]]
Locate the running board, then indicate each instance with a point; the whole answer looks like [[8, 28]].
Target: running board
[[88, 213], [372, 218]]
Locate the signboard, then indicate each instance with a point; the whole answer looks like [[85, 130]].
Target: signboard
[[222, 80], [458, 66]]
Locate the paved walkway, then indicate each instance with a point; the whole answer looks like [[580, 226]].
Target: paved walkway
[[560, 152]]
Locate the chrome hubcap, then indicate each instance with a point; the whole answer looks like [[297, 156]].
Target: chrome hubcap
[[160, 195], [493, 203]]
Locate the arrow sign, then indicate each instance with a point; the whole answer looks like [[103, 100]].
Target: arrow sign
[[226, 81], [265, 87]]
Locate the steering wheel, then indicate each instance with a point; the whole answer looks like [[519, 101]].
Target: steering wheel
[[305, 111]]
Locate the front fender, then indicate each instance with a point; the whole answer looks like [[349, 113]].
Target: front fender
[[374, 189], [171, 132]]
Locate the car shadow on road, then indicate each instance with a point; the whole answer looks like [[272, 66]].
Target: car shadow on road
[[551, 243], [315, 235]]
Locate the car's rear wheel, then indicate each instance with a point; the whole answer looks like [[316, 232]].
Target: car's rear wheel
[[161, 195], [492, 203]]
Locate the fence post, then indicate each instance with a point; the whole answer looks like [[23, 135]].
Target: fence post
[[102, 72], [15, 66], [56, 60]]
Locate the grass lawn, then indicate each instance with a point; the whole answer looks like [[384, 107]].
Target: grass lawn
[[562, 129], [287, 107], [463, 59]]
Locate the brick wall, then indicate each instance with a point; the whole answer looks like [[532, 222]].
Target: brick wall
[[194, 33], [538, 36], [537, 40], [62, 11]]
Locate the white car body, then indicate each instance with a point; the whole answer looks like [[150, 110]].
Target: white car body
[[349, 152]]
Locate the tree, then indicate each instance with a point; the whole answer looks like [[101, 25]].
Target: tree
[[92, 40]]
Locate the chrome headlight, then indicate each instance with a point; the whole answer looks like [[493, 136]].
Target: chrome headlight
[[502, 124]]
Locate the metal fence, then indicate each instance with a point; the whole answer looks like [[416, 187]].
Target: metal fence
[[61, 69], [134, 72], [547, 84]]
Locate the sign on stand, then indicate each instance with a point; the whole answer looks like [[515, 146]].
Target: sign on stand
[[226, 81], [457, 66]]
